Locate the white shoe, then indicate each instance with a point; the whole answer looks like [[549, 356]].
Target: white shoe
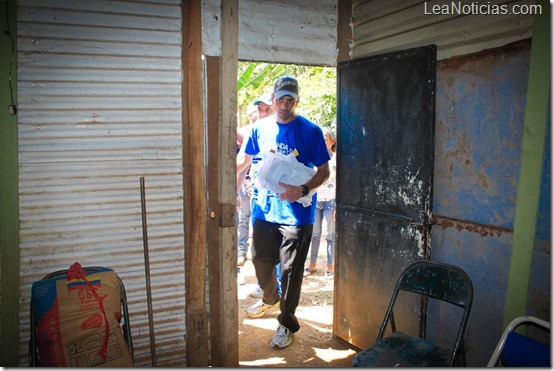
[[259, 309], [240, 279], [282, 338], [257, 293], [241, 260]]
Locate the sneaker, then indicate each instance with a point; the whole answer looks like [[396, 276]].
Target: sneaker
[[257, 293], [259, 309], [282, 338], [240, 279], [241, 260], [308, 272]]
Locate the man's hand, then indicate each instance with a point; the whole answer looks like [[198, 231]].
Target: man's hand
[[292, 193]]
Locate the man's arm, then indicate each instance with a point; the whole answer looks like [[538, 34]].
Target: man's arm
[[240, 178], [243, 133], [243, 161], [293, 193]]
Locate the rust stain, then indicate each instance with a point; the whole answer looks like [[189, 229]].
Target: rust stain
[[462, 153], [460, 62], [444, 223], [483, 180], [484, 230]]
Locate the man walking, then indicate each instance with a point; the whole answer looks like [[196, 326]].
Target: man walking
[[283, 227]]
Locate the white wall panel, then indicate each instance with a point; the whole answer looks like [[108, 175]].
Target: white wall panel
[[300, 32], [99, 98], [211, 27], [278, 31], [385, 26]]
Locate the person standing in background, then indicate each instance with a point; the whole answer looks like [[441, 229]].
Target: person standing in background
[[260, 108], [252, 114], [244, 194], [325, 210], [263, 108]]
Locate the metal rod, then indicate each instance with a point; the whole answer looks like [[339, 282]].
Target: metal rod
[[147, 272]]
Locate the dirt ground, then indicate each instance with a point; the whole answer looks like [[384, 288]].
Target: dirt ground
[[314, 345]]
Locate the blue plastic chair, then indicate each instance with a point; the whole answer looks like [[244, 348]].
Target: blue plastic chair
[[517, 350]]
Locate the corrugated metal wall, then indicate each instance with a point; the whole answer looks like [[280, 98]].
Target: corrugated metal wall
[[278, 31], [477, 161], [99, 91], [384, 26]]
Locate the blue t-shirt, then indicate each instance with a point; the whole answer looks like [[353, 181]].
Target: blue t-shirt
[[301, 137]]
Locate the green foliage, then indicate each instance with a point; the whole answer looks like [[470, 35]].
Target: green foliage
[[317, 88]]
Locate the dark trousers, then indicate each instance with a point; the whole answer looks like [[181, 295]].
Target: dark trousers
[[289, 245]]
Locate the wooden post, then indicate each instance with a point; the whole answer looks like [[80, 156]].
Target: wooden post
[[344, 30], [9, 194], [222, 240], [530, 174], [194, 187]]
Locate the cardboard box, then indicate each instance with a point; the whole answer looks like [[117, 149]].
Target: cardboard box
[[78, 322]]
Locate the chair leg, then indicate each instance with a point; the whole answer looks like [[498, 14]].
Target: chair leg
[[460, 360]]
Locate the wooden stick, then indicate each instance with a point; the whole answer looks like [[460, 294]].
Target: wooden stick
[[147, 272]]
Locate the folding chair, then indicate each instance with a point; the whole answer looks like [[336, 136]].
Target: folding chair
[[439, 281], [34, 357], [516, 350]]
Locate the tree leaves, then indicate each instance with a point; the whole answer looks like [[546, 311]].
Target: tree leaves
[[317, 88]]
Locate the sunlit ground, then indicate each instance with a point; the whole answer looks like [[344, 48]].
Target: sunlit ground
[[313, 346]]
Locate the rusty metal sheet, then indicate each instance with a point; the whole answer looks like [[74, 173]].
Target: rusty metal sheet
[[480, 111], [480, 122]]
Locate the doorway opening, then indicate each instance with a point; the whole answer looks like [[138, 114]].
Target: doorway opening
[[315, 345], [318, 101]]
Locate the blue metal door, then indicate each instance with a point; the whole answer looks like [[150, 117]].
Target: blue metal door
[[386, 117]]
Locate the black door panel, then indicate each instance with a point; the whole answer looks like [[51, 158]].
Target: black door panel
[[386, 116]]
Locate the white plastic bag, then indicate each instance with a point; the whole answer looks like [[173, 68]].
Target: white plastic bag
[[277, 167]]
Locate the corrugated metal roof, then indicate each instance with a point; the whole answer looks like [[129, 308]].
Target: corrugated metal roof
[[99, 98], [380, 27]]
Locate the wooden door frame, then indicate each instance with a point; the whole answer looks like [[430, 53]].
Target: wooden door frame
[[209, 189]]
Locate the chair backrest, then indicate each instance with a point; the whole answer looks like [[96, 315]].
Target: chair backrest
[[516, 350], [125, 326], [440, 281]]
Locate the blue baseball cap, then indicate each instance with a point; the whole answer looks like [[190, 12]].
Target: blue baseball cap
[[286, 86]]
